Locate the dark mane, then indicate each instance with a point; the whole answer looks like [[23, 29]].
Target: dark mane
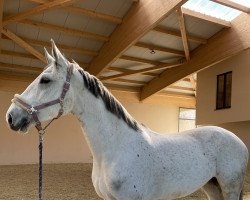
[[100, 91]]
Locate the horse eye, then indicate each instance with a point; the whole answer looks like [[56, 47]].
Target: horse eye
[[44, 80]]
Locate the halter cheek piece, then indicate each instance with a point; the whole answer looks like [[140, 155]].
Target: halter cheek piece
[[33, 110]]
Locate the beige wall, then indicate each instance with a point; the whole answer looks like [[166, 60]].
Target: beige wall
[[64, 141], [242, 130], [206, 91]]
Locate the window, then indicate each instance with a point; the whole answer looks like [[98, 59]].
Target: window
[[224, 90], [187, 118]]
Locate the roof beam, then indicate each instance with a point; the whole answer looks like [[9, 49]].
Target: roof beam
[[69, 31], [149, 69], [34, 11], [177, 33], [183, 33], [159, 48], [89, 13], [23, 44], [61, 46], [221, 46], [133, 27], [233, 5], [208, 18]]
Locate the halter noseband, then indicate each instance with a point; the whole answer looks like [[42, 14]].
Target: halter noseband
[[33, 110]]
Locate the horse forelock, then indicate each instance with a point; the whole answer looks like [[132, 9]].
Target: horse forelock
[[96, 88]]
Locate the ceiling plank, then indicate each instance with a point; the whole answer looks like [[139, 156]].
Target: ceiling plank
[[159, 48], [177, 33], [83, 11], [233, 5], [149, 69], [208, 18], [133, 27], [23, 44], [140, 60], [183, 33], [61, 46], [221, 46], [33, 11], [69, 31]]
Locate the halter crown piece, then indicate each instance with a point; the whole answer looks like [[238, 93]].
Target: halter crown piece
[[33, 110]]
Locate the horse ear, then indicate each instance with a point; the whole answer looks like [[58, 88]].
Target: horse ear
[[59, 58], [48, 57]]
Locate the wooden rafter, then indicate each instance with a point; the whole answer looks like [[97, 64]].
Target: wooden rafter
[[208, 18], [177, 33], [133, 27], [62, 47], [181, 88], [121, 80], [33, 11], [193, 82], [69, 31], [183, 33], [122, 70], [149, 69], [94, 14], [233, 5], [23, 44], [23, 69], [159, 48], [10, 81], [26, 55], [89, 13], [221, 46], [140, 60], [18, 54]]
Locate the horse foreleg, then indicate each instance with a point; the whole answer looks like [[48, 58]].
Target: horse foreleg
[[213, 190]]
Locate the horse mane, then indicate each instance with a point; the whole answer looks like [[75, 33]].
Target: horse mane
[[96, 88]]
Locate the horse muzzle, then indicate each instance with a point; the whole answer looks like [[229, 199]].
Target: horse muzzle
[[18, 119]]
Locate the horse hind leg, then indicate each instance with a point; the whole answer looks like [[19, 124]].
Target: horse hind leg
[[232, 188], [213, 190]]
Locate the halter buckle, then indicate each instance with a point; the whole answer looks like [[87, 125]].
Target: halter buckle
[[31, 110]]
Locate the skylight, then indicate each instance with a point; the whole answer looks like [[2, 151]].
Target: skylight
[[214, 9]]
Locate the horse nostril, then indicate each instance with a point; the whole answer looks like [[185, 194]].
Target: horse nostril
[[10, 119]]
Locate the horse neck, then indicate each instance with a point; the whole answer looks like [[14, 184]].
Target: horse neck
[[103, 130]]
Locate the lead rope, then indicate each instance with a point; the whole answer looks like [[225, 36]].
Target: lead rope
[[40, 197]]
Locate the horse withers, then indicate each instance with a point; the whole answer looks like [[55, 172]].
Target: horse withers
[[130, 161]]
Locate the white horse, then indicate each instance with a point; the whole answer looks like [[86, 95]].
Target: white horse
[[131, 162]]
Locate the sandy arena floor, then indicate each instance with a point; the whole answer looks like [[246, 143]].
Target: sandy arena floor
[[61, 182]]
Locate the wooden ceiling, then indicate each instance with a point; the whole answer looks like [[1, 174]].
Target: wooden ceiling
[[142, 46]]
